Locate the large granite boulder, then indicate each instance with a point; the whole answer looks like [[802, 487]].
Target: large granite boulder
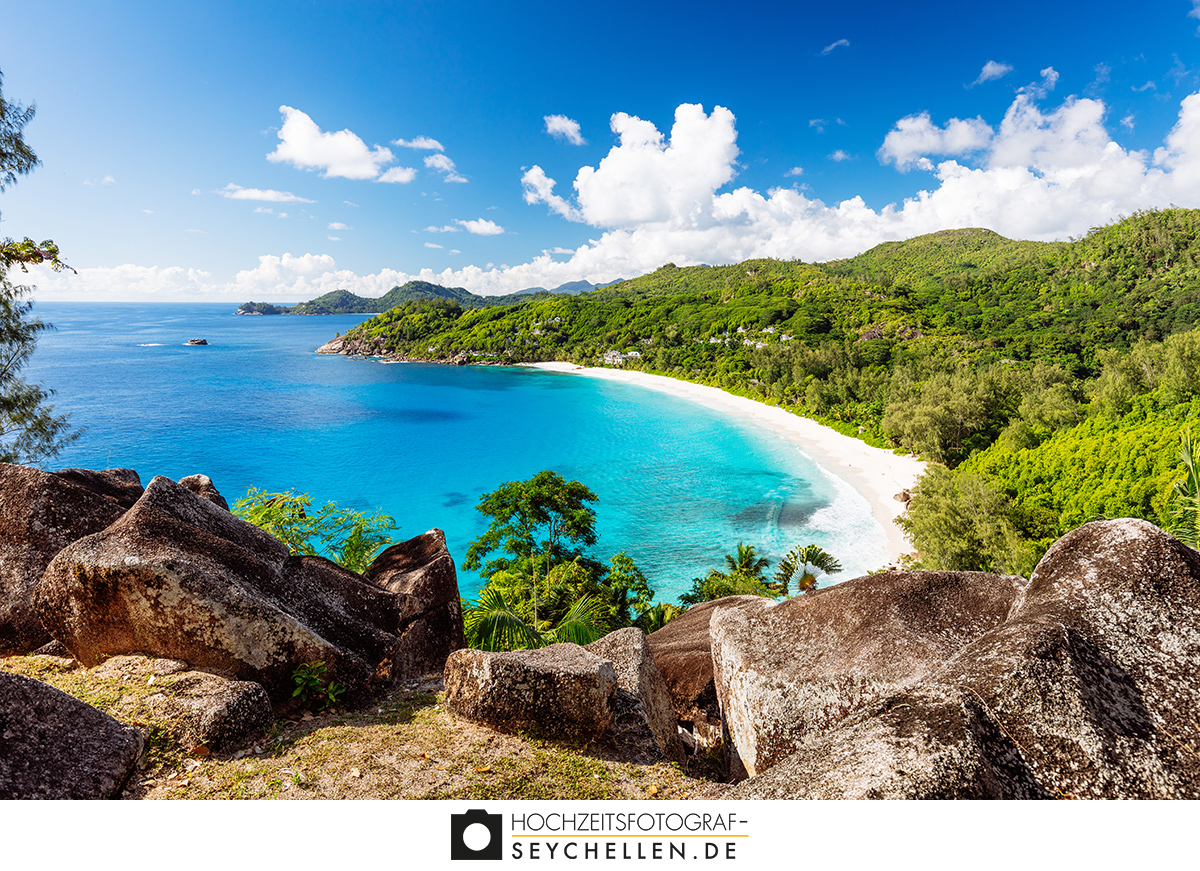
[[642, 705], [787, 672], [40, 514], [53, 746], [122, 486], [203, 486], [1087, 690], [420, 572], [560, 691], [178, 577], [204, 708], [683, 652]]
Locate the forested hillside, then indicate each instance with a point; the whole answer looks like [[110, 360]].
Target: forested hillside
[[343, 302], [1052, 381]]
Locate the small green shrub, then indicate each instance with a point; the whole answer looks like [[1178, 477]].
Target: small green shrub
[[311, 687]]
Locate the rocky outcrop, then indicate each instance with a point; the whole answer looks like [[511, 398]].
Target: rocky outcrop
[[206, 709], [40, 514], [333, 346], [787, 672], [420, 572], [356, 346], [202, 486], [122, 486], [683, 652], [1086, 690], [53, 746], [177, 577], [560, 691], [644, 715]]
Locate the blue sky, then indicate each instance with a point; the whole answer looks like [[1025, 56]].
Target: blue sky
[[277, 150]]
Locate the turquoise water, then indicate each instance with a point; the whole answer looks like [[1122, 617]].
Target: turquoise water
[[679, 485]]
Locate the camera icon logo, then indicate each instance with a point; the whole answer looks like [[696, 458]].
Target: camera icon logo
[[476, 835]]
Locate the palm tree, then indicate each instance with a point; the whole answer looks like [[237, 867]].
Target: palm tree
[[492, 624], [746, 563], [1184, 508], [657, 616], [803, 559], [743, 577]]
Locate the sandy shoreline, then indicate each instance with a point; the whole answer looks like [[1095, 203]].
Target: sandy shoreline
[[877, 474]]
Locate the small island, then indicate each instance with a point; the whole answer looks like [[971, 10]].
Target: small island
[[343, 302]]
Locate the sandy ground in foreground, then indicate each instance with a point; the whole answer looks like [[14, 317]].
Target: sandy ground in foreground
[[875, 473]]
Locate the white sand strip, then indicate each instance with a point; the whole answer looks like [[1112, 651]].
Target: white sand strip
[[875, 473]]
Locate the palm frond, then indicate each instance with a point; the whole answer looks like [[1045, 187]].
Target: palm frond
[[1184, 508], [492, 624], [581, 625]]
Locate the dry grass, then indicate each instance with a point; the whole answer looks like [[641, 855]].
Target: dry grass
[[404, 745]]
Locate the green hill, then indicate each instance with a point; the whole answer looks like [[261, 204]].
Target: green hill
[[343, 302]]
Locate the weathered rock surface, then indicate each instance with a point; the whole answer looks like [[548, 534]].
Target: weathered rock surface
[[333, 346], [787, 672], [207, 709], [560, 691], [1087, 690], [123, 486], [683, 652], [53, 746], [178, 577], [420, 572], [202, 486], [40, 514], [644, 714]]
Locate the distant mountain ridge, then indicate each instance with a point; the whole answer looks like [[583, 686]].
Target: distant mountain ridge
[[343, 302]]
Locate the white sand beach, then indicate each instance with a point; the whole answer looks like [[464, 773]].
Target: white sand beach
[[877, 474]]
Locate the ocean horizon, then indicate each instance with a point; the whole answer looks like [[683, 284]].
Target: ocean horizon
[[679, 484]]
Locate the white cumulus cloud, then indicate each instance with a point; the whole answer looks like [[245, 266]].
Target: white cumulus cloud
[[916, 137], [993, 70], [481, 227], [564, 128], [421, 143], [398, 175], [341, 155], [539, 188], [236, 192], [445, 166], [646, 178]]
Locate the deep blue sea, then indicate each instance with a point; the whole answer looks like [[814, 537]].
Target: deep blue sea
[[679, 485]]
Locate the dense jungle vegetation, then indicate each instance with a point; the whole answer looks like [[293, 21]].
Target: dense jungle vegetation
[[1050, 383]]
